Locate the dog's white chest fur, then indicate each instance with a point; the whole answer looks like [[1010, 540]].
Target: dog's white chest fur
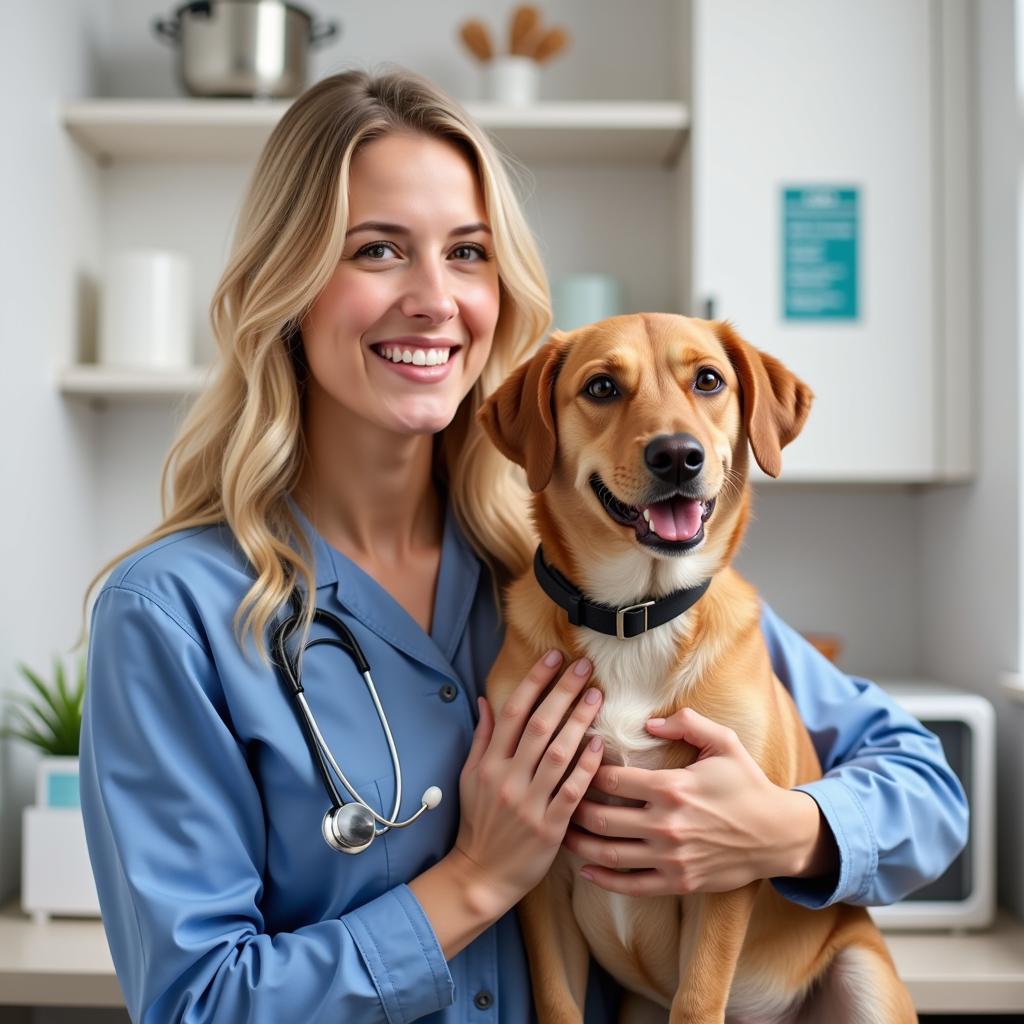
[[637, 676], [633, 677]]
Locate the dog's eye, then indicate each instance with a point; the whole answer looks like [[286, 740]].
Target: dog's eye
[[708, 381], [601, 387]]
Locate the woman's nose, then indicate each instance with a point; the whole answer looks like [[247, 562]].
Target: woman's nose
[[429, 293]]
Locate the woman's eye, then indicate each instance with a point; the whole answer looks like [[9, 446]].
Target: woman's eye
[[601, 387], [708, 380], [375, 247], [478, 249]]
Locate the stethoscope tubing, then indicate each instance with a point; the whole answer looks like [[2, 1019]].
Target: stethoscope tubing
[[315, 738]]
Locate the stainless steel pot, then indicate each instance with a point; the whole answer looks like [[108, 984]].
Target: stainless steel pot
[[243, 47]]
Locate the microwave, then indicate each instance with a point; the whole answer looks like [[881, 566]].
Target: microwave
[[964, 896]]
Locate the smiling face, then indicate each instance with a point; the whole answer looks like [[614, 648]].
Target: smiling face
[[650, 425], [636, 431], [404, 326]]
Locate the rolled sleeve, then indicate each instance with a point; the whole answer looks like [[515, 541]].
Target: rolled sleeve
[[896, 809], [177, 839]]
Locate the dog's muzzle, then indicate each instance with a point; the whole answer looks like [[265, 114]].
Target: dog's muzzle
[[673, 523]]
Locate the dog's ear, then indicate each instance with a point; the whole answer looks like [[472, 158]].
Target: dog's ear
[[775, 401], [519, 416]]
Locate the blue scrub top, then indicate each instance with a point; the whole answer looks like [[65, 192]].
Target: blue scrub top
[[203, 806]]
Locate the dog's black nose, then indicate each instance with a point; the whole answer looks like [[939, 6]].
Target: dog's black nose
[[674, 458]]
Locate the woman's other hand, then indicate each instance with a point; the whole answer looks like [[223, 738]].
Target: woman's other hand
[[519, 785], [711, 827]]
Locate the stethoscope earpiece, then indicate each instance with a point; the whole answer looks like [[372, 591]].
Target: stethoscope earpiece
[[346, 827]]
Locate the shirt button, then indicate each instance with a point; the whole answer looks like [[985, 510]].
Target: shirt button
[[448, 693], [482, 1000]]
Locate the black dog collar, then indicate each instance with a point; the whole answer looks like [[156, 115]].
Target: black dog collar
[[624, 623]]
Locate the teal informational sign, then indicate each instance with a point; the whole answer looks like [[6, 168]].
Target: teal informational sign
[[820, 236]]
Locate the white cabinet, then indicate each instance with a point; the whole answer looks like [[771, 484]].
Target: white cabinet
[[868, 96]]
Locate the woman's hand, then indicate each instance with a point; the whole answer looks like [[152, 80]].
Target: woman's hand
[[515, 807], [711, 827]]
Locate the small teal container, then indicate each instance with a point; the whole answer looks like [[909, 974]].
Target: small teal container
[[57, 783]]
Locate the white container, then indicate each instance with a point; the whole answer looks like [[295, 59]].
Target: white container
[[56, 876], [512, 79], [146, 311]]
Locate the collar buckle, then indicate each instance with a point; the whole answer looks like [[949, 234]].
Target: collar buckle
[[620, 620]]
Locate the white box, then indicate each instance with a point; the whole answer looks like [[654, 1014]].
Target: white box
[[56, 876], [964, 897]]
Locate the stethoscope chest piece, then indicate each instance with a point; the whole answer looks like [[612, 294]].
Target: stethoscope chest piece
[[349, 828]]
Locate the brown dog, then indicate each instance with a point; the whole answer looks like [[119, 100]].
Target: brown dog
[[633, 433]]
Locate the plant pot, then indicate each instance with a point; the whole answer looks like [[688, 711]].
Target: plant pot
[[512, 79]]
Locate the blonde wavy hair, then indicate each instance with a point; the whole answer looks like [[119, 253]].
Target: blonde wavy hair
[[240, 450]]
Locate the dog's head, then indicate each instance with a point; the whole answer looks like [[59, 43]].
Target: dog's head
[[641, 423]]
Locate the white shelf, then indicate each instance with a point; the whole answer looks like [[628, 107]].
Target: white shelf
[[576, 132], [110, 384], [67, 962]]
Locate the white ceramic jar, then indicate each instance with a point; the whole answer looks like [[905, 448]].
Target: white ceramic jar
[[146, 311]]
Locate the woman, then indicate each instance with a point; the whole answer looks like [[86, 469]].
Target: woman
[[335, 457]]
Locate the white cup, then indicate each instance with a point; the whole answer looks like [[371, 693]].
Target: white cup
[[146, 311], [512, 79]]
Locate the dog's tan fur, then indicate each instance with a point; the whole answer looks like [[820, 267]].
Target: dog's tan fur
[[749, 954]]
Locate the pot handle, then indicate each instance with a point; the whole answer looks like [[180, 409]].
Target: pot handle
[[170, 30], [322, 33]]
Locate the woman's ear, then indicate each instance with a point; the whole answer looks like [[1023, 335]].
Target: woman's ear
[[519, 416], [775, 401]]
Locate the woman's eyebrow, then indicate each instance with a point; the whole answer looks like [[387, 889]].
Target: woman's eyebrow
[[398, 229]]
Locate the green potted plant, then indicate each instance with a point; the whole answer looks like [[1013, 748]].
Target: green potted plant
[[56, 876], [51, 720]]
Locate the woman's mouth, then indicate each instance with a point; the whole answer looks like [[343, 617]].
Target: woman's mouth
[[673, 523], [418, 363]]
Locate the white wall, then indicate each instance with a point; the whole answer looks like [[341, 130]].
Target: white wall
[[47, 464], [844, 560], [970, 589]]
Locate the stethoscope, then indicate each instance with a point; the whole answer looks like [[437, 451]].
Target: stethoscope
[[346, 827]]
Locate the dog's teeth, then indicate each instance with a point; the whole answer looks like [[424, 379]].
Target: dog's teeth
[[647, 514]]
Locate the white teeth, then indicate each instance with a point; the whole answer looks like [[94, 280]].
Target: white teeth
[[418, 357], [647, 514]]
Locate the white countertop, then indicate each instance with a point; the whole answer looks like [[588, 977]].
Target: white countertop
[[66, 963]]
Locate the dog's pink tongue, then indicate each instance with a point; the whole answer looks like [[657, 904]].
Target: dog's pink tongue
[[675, 519]]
